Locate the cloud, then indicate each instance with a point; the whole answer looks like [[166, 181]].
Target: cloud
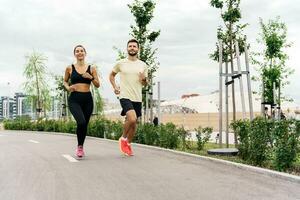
[[188, 35]]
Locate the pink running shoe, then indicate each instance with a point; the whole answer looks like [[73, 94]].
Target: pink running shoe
[[79, 151]]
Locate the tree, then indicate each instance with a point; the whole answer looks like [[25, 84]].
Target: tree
[[46, 100], [271, 61], [36, 85], [142, 11], [61, 95], [231, 15]]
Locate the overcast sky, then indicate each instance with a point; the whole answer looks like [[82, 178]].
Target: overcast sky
[[188, 35]]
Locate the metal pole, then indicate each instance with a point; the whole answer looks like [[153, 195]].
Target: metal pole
[[220, 91], [240, 79], [146, 115], [151, 100], [158, 103], [184, 110], [95, 109], [279, 103], [67, 105], [8, 100], [274, 101], [249, 83], [233, 89], [263, 99], [226, 106]]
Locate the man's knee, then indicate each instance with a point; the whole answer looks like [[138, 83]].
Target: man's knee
[[131, 117], [132, 120]]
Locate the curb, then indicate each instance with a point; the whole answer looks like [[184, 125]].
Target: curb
[[268, 172]]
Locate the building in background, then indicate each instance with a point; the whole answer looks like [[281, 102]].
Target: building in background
[[21, 107], [56, 108], [10, 108], [6, 108]]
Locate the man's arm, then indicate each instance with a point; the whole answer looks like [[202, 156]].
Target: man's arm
[[113, 82], [143, 79]]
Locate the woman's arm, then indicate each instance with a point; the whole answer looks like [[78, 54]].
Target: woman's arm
[[66, 80]]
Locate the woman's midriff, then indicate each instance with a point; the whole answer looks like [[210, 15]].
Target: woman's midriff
[[82, 87]]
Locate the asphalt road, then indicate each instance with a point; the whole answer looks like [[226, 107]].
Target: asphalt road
[[40, 166]]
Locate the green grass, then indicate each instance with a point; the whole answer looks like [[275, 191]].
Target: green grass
[[192, 148]]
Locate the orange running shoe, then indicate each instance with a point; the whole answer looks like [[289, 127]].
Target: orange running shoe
[[129, 152], [123, 146]]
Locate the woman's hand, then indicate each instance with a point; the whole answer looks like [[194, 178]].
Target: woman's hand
[[72, 88], [87, 75]]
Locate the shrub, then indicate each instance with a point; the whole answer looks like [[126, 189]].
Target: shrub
[[147, 134], [286, 144], [96, 128], [168, 136], [116, 129], [203, 135], [259, 146], [242, 129], [183, 136]]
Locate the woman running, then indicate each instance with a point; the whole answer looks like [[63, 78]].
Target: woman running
[[81, 75]]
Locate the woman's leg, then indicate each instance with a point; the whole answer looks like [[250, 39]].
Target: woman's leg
[[87, 110], [77, 112]]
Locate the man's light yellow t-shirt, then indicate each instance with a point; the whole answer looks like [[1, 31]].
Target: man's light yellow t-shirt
[[130, 86]]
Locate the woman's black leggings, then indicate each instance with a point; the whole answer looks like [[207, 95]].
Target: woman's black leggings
[[81, 107]]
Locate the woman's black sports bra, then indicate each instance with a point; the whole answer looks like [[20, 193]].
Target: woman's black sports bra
[[77, 78]]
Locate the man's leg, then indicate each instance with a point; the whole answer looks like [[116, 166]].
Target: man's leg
[[138, 112], [127, 129], [131, 132], [130, 125]]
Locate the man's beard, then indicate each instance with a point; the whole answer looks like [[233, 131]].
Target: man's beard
[[132, 53]]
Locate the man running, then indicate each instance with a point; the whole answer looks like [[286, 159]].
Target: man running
[[133, 76]]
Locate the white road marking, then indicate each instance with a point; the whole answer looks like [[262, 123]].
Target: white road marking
[[69, 158], [33, 141]]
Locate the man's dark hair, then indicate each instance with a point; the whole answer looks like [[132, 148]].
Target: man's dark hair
[[135, 41]]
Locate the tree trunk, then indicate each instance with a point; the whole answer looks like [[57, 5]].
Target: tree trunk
[[38, 111], [232, 71]]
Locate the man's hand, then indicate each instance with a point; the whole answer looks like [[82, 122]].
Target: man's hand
[[117, 90], [142, 78]]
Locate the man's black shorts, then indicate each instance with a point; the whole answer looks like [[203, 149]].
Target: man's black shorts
[[127, 105]]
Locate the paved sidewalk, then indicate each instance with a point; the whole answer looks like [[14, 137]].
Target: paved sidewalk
[[39, 166]]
